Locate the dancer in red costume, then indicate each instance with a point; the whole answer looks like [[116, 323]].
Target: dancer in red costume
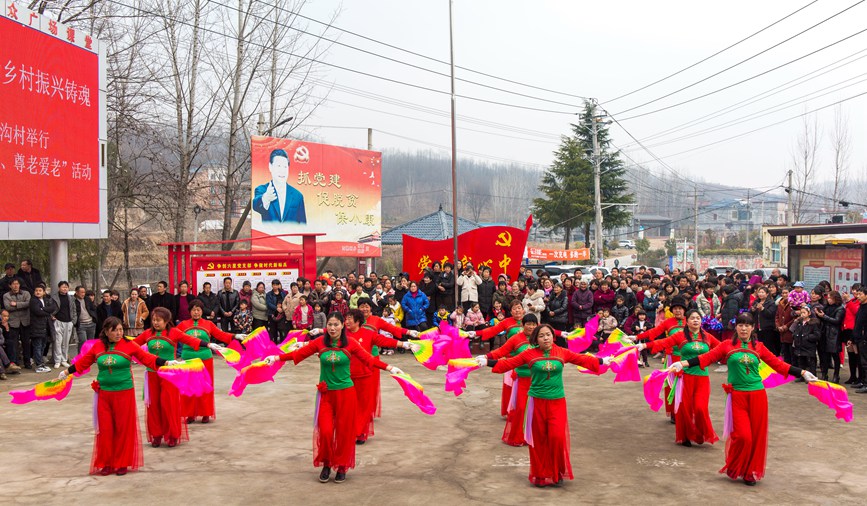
[[511, 326], [668, 328], [162, 399], [375, 323], [692, 421], [117, 446], [547, 430], [205, 331], [335, 422], [747, 444], [363, 376]]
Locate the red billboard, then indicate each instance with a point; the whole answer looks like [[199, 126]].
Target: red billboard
[[49, 120], [305, 187]]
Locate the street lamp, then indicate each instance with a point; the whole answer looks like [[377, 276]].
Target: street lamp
[[197, 209]]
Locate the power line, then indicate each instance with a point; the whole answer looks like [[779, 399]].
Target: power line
[[745, 80], [744, 60], [758, 97], [711, 56], [348, 69]]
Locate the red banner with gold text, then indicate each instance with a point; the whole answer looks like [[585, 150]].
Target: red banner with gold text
[[500, 248]]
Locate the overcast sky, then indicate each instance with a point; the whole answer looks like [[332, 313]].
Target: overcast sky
[[602, 50]]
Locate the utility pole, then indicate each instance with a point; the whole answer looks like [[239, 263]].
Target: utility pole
[[597, 175], [370, 139], [454, 146], [695, 232], [790, 213]]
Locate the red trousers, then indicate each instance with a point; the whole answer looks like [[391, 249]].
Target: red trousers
[[117, 442], [747, 445], [365, 391], [692, 420], [507, 394], [192, 407], [376, 379], [164, 411], [513, 434], [334, 433], [549, 454]]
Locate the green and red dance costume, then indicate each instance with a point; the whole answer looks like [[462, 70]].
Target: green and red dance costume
[[335, 422], [513, 434], [668, 327], [691, 418], [205, 331], [162, 399], [365, 378], [546, 427], [747, 404], [375, 323], [510, 326], [117, 443]]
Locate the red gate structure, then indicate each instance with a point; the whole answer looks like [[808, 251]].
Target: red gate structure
[[184, 261]]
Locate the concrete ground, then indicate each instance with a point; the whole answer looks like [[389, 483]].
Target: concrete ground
[[259, 450]]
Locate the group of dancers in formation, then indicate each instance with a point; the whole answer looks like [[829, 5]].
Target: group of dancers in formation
[[348, 400]]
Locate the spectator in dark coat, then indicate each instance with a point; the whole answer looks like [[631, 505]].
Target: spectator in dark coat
[[107, 308], [582, 304], [42, 308], [557, 311], [805, 332], [765, 311], [446, 288], [211, 302], [830, 344], [429, 288], [30, 276], [162, 298], [603, 298], [486, 293], [8, 276], [229, 302]]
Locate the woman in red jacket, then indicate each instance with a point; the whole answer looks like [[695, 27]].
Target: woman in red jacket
[[364, 377], [691, 418], [335, 421], [747, 444], [205, 331], [117, 445], [162, 399], [511, 326], [547, 427]]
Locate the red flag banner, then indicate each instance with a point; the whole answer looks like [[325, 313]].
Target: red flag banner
[[558, 254], [500, 248]]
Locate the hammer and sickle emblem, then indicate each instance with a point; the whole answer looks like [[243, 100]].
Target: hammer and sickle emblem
[[211, 266], [504, 239]]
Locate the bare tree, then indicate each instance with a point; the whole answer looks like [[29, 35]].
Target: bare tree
[[805, 166], [841, 144]]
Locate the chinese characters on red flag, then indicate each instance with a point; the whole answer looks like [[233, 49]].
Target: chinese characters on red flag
[[500, 248]]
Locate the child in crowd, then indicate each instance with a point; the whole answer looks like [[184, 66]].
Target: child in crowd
[[798, 296], [303, 317], [638, 326], [498, 317], [243, 319], [620, 311], [319, 318], [396, 310], [607, 324], [388, 316], [457, 317], [442, 314], [474, 320]]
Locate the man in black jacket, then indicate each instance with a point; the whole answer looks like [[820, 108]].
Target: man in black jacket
[[859, 336], [162, 298], [486, 293], [30, 277], [318, 294], [6, 281], [446, 287], [105, 309], [229, 302], [210, 301]]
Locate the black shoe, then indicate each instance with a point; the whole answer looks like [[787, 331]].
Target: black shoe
[[836, 379], [339, 477], [360, 441], [824, 376], [749, 483], [687, 443], [849, 381], [862, 390], [325, 475], [857, 384], [672, 420]]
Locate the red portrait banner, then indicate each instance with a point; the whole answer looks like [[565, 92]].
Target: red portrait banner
[[500, 248]]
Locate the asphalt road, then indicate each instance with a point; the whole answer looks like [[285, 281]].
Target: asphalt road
[[259, 450]]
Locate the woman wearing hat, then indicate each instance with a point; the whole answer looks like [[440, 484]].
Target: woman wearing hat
[[692, 421], [511, 326], [805, 337], [747, 405], [205, 331], [668, 328]]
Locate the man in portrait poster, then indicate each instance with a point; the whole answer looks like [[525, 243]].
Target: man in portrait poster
[[276, 201]]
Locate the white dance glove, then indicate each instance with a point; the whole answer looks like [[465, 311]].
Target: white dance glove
[[314, 332], [415, 348], [471, 334], [641, 346], [809, 377], [63, 374], [606, 361], [629, 339], [214, 346], [412, 333], [395, 370], [297, 346], [482, 360], [675, 367], [405, 345], [271, 359], [174, 362], [240, 337]]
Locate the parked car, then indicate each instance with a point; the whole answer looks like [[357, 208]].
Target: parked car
[[626, 244], [589, 272]]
